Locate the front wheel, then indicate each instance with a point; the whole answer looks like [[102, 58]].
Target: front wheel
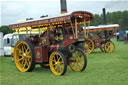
[[58, 63], [109, 47], [24, 56], [78, 61], [88, 46]]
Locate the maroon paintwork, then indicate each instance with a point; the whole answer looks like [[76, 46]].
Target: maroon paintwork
[[45, 43], [38, 54]]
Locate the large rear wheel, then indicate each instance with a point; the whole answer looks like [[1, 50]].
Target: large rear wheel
[[88, 46], [58, 63], [24, 56], [78, 61], [109, 47]]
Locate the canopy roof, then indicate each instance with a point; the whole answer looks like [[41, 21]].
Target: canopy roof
[[80, 15], [102, 27]]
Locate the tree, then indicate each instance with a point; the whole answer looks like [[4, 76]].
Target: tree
[[5, 30]]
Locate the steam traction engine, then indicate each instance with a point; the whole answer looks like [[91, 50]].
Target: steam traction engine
[[100, 37], [56, 46]]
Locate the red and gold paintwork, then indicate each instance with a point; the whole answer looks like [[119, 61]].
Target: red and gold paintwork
[[55, 20], [100, 40], [45, 45]]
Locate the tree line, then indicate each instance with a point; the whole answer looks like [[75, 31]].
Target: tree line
[[119, 17]]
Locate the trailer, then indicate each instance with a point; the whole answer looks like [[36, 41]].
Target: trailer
[[7, 44]]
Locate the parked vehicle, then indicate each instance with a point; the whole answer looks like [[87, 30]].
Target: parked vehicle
[[7, 44], [100, 37]]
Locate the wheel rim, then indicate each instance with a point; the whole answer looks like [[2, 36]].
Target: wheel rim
[[89, 43], [109, 47], [22, 56], [77, 61], [56, 63]]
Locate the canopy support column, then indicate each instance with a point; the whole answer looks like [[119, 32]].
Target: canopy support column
[[39, 31], [85, 28], [72, 29], [76, 28], [88, 26]]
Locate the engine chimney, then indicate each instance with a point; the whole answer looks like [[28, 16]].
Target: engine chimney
[[63, 6], [104, 16], [105, 22]]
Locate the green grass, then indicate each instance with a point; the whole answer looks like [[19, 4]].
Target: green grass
[[102, 69]]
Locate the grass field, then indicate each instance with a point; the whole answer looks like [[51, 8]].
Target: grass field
[[102, 69]]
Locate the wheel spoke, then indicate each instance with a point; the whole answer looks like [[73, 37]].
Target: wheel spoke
[[73, 64], [28, 57], [81, 63], [23, 49], [24, 62], [27, 62], [20, 59], [61, 68], [54, 60], [57, 70], [59, 58], [19, 49], [54, 64], [78, 65], [20, 54], [27, 51], [24, 66]]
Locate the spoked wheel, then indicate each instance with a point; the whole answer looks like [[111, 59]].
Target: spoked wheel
[[88, 46], [58, 63], [24, 56], [78, 61], [109, 47], [102, 48]]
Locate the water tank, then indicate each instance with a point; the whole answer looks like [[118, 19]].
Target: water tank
[[1, 44]]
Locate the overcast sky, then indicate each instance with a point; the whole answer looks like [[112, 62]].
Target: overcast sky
[[12, 10]]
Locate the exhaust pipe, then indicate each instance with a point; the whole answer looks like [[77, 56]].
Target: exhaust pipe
[[104, 16], [63, 6], [105, 22]]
